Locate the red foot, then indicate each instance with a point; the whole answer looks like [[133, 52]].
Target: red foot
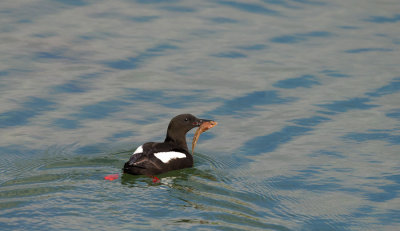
[[111, 177], [155, 179]]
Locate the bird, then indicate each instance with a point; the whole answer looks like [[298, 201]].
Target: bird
[[153, 158]]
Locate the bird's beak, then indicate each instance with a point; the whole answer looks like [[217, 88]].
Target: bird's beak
[[199, 122]]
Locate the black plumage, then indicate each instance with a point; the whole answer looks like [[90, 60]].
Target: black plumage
[[154, 158]]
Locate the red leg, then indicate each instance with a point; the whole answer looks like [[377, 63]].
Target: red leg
[[155, 179]]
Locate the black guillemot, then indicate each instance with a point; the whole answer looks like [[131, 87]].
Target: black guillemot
[[154, 158]]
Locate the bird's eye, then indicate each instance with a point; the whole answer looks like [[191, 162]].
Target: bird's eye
[[186, 119]]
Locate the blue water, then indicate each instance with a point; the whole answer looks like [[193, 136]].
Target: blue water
[[306, 94]]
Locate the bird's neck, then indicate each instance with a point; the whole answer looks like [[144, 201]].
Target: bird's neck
[[177, 139]]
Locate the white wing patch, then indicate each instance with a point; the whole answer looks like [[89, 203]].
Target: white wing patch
[[139, 149], [167, 156]]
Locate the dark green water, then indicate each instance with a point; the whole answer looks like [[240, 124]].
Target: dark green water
[[306, 94]]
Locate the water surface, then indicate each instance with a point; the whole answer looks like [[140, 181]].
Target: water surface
[[306, 94]]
